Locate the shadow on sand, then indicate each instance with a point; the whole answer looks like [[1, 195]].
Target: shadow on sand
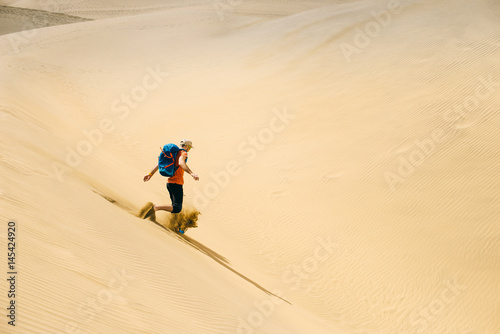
[[188, 219], [216, 257]]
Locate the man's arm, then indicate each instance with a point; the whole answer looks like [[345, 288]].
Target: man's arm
[[147, 177], [183, 165]]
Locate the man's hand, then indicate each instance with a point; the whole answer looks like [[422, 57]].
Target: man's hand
[[147, 177], [195, 177]]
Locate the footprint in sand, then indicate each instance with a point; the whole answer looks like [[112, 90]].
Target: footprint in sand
[[331, 176], [464, 125], [403, 147], [278, 193]]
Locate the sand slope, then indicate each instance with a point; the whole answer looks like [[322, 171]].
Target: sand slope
[[21, 19], [347, 152]]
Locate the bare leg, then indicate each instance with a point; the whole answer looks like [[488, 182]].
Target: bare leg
[[168, 208]]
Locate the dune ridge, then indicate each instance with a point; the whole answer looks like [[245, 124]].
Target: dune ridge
[[15, 19]]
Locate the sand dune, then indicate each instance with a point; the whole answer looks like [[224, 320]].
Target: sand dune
[[347, 151], [21, 19]]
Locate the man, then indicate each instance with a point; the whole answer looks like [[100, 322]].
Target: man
[[174, 184]]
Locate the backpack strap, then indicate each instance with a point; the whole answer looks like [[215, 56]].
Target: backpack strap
[[170, 156], [166, 156]]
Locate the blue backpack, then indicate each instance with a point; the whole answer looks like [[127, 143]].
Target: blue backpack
[[167, 160]]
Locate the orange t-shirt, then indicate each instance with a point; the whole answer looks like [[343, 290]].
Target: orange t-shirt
[[179, 173]]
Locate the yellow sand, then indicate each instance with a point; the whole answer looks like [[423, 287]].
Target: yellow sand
[[348, 154]]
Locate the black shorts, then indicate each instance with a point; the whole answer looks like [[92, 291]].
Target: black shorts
[[176, 195]]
